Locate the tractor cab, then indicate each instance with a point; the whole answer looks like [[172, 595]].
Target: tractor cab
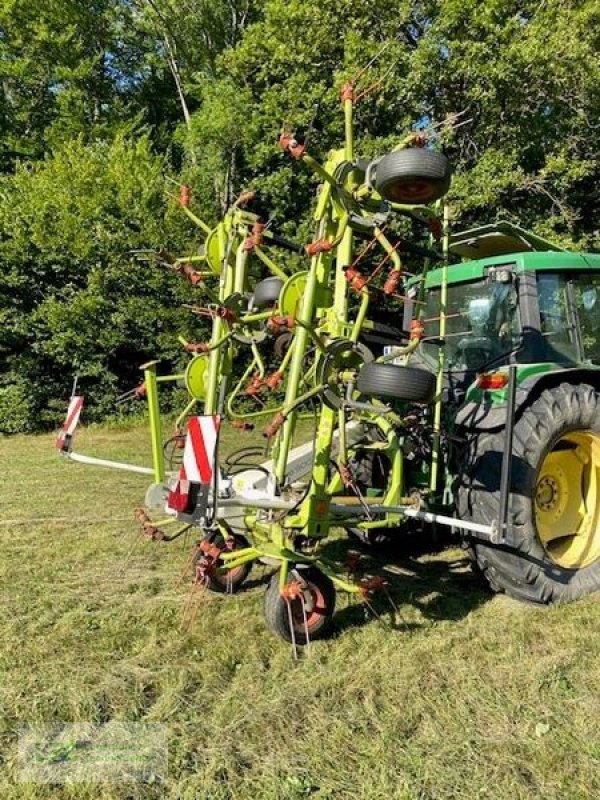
[[529, 303]]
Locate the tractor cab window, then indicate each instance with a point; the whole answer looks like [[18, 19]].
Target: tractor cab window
[[557, 321], [586, 291], [481, 323]]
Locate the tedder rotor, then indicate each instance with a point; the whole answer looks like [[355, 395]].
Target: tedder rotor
[[454, 380]]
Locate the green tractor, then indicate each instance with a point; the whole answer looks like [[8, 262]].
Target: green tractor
[[518, 348]]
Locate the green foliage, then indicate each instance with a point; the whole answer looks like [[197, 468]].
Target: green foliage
[[62, 69], [212, 83], [15, 408], [73, 300]]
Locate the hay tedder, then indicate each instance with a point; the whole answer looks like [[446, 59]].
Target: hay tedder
[[454, 380]]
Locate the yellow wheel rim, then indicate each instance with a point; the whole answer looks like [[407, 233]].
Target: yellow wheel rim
[[567, 512]]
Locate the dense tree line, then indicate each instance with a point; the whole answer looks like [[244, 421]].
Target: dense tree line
[[101, 103]]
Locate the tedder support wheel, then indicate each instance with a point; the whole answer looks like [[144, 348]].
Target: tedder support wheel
[[309, 600], [371, 471], [230, 582], [552, 550], [413, 176], [266, 292], [396, 382]]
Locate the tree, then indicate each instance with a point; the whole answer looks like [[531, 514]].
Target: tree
[[99, 100], [72, 300]]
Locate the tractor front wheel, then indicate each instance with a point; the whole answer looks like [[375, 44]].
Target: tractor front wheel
[[552, 548]]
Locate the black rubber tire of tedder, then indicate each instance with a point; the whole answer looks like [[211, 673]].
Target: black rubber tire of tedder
[[371, 471], [266, 292], [231, 581], [320, 594], [415, 175], [396, 382], [521, 566]]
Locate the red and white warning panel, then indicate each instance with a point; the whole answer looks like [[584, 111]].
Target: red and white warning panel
[[63, 440], [197, 473]]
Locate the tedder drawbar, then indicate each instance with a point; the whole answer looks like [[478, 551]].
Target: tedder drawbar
[[462, 392]]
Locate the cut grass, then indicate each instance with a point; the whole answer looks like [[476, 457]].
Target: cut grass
[[459, 695]]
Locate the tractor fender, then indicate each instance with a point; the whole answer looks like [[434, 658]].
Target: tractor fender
[[488, 416]]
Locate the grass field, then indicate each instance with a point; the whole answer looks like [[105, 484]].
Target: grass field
[[459, 695]]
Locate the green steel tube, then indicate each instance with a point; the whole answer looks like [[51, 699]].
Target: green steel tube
[[323, 201], [399, 351], [320, 170], [258, 359], [309, 513], [343, 440], [193, 260], [158, 461], [349, 129], [303, 398], [285, 360], [259, 317], [362, 313], [340, 290], [437, 414], [210, 405], [420, 212], [196, 220], [388, 247], [215, 358], [181, 418], [241, 261], [237, 389], [299, 348], [344, 252], [212, 346], [270, 264], [265, 412]]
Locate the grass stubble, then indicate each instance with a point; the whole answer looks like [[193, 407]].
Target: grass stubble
[[459, 695]]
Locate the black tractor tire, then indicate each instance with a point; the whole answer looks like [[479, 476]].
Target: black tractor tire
[[266, 292], [396, 382], [319, 593], [522, 566], [413, 176]]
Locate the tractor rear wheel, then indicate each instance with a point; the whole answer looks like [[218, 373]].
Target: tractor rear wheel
[[552, 549]]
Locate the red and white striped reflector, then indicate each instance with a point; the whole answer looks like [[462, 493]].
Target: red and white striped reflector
[[68, 429], [198, 468]]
